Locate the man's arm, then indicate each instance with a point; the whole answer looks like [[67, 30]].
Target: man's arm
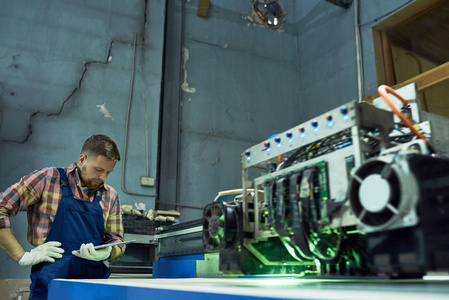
[[14, 199], [47, 252], [10, 245]]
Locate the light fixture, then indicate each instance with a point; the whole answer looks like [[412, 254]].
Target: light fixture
[[269, 12]]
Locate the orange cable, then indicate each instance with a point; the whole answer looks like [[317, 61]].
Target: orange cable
[[280, 158], [383, 89]]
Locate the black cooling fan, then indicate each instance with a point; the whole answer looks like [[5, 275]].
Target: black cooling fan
[[220, 226], [381, 194]]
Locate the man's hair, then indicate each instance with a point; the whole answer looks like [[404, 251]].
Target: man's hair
[[100, 145]]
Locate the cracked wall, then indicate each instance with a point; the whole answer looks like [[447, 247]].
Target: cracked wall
[[65, 66]]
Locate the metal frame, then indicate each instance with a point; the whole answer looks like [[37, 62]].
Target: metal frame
[[355, 117]]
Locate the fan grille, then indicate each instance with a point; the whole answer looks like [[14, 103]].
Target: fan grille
[[219, 226], [384, 216]]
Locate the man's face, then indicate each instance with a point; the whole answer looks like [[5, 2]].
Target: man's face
[[94, 171]]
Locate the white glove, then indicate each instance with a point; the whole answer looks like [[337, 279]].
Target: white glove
[[88, 252], [46, 252]]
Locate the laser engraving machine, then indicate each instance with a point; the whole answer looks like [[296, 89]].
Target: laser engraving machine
[[361, 190]]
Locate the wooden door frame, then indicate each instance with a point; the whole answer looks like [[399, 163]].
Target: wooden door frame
[[383, 54]]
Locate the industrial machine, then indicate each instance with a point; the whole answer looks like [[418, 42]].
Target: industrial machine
[[358, 191]]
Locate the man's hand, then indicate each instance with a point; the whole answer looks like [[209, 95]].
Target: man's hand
[[116, 254], [46, 252], [88, 252]]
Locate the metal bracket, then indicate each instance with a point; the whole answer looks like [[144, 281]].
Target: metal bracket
[[179, 232]]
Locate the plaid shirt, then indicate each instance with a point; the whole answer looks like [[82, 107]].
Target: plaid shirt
[[39, 194]]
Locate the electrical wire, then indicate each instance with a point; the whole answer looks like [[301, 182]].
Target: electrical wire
[[387, 14], [125, 147], [318, 148], [383, 90]]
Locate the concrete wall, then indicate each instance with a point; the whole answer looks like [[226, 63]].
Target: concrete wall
[[245, 82], [249, 82], [241, 87], [327, 51], [60, 61]]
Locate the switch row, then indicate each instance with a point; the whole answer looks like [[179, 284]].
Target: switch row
[[328, 119]]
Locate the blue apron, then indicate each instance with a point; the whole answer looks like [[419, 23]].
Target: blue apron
[[76, 222]]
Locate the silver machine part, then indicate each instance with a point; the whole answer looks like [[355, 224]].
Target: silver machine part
[[180, 239], [394, 174], [349, 119], [440, 135], [351, 191]]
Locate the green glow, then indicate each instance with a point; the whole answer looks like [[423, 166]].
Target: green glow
[[221, 219], [221, 232], [354, 232]]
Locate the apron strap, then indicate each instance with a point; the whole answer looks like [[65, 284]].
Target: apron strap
[[98, 195], [66, 190]]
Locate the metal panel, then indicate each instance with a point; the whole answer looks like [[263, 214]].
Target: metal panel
[[440, 134], [180, 239]]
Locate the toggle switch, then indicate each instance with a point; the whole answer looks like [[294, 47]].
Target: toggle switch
[[344, 112], [248, 155], [302, 132], [278, 141], [329, 120], [314, 125], [267, 146]]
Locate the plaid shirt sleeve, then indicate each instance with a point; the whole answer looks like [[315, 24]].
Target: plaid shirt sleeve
[[22, 194], [112, 214]]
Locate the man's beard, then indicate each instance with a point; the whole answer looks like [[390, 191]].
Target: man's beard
[[90, 183]]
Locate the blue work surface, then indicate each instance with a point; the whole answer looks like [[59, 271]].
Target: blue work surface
[[245, 288], [176, 266]]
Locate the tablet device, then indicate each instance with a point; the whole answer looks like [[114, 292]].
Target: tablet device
[[114, 244], [111, 244]]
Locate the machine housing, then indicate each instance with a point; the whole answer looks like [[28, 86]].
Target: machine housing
[[349, 193]]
